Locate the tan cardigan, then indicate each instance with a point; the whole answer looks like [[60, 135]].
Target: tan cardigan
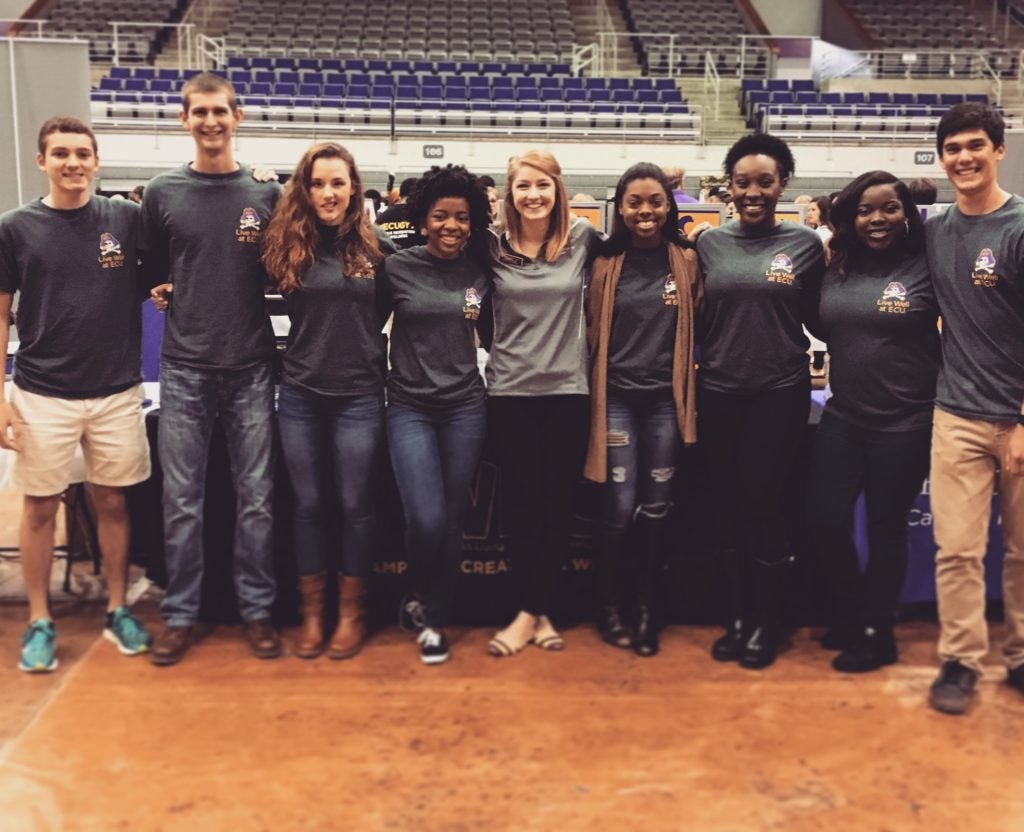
[[600, 302]]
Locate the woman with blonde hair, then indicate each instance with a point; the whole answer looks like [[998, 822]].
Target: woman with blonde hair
[[323, 253], [537, 383]]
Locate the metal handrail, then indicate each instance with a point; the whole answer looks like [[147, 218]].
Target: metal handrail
[[986, 68], [212, 49], [187, 28], [583, 57], [712, 80]]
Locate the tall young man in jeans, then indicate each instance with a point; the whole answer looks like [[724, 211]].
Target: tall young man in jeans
[[77, 380], [202, 225], [976, 254]]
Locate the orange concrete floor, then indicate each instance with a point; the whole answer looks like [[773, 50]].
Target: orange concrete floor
[[590, 739]]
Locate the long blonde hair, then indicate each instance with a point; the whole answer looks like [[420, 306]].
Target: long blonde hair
[[558, 222]]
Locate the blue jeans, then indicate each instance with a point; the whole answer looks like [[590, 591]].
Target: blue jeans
[[332, 447], [643, 443], [191, 400], [435, 458]]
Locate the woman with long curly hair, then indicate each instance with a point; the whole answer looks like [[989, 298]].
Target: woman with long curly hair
[[879, 315], [435, 415], [322, 251]]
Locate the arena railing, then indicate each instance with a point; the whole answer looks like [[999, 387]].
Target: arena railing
[[671, 55]]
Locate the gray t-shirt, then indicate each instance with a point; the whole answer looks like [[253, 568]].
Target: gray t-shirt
[[79, 315], [335, 345], [202, 233], [759, 288], [644, 322], [977, 265], [436, 303], [880, 323], [540, 344]]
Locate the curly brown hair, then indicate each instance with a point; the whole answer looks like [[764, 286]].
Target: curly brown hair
[[292, 236]]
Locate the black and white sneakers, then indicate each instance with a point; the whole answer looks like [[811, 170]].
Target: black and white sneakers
[[433, 646]]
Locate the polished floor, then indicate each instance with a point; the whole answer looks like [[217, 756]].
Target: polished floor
[[590, 739]]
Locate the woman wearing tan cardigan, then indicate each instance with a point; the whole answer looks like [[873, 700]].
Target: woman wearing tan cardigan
[[644, 290]]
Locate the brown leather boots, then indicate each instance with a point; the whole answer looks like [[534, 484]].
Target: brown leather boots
[[350, 633]]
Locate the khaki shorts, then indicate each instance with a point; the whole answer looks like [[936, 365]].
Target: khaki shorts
[[110, 430]]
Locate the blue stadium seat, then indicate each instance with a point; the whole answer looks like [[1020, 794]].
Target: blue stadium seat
[[112, 84], [550, 94], [526, 81], [879, 98], [597, 94], [265, 75], [620, 95], [354, 65], [259, 88], [831, 98], [854, 98], [802, 85], [334, 90], [618, 83], [146, 72], [501, 81], [288, 89], [136, 84], [120, 72], [778, 84], [673, 96], [163, 85], [288, 77], [572, 83], [595, 83], [806, 97]]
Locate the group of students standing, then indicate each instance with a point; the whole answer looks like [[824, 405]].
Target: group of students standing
[[592, 368]]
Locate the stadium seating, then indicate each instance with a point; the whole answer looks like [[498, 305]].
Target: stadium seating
[[435, 97]]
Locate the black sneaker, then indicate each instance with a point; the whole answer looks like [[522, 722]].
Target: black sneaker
[[1015, 678], [951, 692], [874, 649], [433, 646], [412, 614]]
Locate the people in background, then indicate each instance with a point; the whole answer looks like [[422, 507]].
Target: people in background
[[537, 384], [879, 316], [677, 181], [762, 280], [323, 253], [641, 301], [73, 257], [436, 414], [395, 222]]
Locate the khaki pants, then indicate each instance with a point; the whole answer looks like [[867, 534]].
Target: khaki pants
[[965, 454]]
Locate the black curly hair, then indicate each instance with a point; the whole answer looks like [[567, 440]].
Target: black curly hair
[[761, 144], [457, 182], [845, 244]]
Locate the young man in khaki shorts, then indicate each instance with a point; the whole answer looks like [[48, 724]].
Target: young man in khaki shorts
[[77, 381]]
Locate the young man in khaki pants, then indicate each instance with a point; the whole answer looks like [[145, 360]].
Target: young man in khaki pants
[[976, 254]]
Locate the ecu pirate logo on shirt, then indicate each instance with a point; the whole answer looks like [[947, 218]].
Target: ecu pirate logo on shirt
[[984, 273], [894, 299], [780, 270], [110, 251], [670, 297], [248, 230], [471, 309]]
